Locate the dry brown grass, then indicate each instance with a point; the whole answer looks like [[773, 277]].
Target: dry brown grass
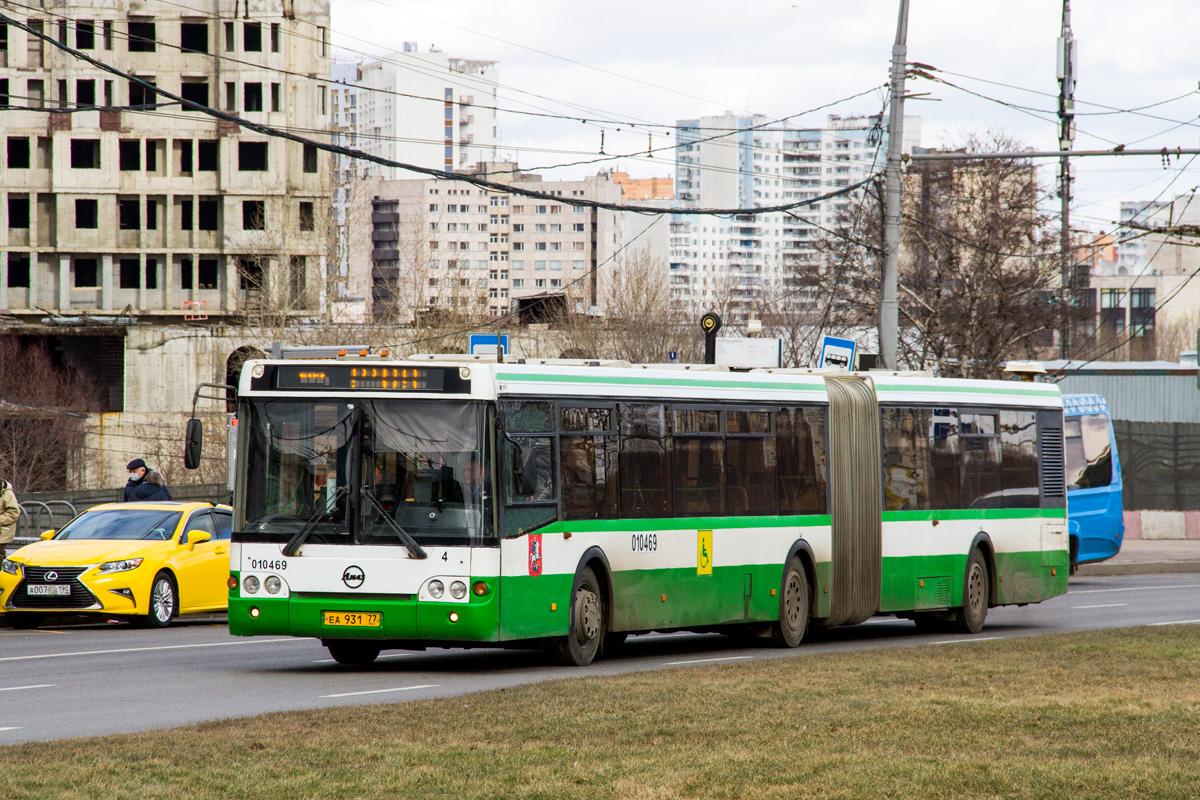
[[1111, 714]]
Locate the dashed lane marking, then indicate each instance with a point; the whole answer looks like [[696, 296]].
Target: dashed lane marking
[[147, 649], [21, 688], [381, 691], [1103, 605], [705, 661]]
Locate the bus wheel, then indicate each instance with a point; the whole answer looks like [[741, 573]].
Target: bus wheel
[[793, 606], [353, 654], [582, 642], [969, 618]]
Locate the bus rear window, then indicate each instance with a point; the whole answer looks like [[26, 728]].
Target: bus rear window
[[1089, 454]]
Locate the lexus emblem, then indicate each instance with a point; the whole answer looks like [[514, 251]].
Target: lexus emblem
[[353, 577], [51, 576]]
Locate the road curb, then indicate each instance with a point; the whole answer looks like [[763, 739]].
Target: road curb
[[1139, 568]]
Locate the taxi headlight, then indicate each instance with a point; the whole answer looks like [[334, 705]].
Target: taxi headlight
[[272, 584], [436, 589], [458, 590], [250, 584], [120, 566], [11, 567]]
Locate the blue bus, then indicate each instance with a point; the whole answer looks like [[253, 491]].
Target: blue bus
[[1094, 511]]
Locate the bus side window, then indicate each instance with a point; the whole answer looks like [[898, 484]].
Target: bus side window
[[529, 506], [1019, 459], [906, 466], [944, 490]]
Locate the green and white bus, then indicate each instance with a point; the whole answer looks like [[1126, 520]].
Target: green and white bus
[[443, 502]]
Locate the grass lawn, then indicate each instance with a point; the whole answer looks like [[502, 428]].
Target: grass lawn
[[1113, 714]]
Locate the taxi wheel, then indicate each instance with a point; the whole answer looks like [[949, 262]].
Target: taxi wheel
[[164, 602], [353, 654], [24, 622]]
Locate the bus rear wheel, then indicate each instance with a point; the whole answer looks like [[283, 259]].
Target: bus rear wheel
[[976, 590], [582, 642], [793, 606], [353, 654]]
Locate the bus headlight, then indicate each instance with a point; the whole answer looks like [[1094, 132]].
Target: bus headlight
[[272, 584], [458, 590], [436, 589], [250, 584]]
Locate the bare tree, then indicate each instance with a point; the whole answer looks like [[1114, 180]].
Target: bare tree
[[979, 275], [42, 417]]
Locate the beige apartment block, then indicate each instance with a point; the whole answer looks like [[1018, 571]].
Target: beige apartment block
[[114, 199], [449, 245]]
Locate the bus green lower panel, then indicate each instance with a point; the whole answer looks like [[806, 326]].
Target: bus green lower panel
[[929, 582], [401, 619]]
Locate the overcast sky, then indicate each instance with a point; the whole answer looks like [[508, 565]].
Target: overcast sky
[[656, 62]]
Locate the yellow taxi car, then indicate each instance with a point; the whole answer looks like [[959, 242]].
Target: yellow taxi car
[[144, 562]]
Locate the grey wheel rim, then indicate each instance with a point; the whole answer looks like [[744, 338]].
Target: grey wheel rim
[[587, 615], [976, 602], [792, 601], [162, 600]]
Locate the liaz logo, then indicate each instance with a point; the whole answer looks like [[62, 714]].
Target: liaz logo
[[353, 577], [535, 554]]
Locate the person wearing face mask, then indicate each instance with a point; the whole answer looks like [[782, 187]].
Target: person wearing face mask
[[145, 485]]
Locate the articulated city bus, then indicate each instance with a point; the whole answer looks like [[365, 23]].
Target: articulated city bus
[[566, 505], [1095, 519]]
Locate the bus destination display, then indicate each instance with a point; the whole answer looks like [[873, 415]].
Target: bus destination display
[[360, 377]]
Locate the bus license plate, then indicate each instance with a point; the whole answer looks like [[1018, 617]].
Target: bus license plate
[[51, 589], [353, 619]]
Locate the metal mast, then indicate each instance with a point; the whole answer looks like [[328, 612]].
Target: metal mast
[[1066, 135], [889, 307]]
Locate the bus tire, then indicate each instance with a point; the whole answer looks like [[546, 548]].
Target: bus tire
[[585, 634], [970, 616], [353, 654], [788, 631]]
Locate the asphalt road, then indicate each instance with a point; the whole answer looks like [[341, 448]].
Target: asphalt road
[[82, 680]]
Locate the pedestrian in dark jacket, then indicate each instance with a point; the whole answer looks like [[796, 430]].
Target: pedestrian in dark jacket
[[145, 485]]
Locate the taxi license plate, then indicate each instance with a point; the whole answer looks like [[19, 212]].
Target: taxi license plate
[[353, 619], [51, 589]]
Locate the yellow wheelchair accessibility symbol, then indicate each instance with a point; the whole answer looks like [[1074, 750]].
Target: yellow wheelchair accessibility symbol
[[704, 552]]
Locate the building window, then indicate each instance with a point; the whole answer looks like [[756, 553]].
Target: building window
[[193, 37], [140, 95], [87, 273], [151, 273], [18, 152], [151, 215], [186, 214], [252, 97], [208, 214], [85, 154], [18, 271], [1141, 312], [206, 275], [274, 37], [186, 276], [128, 215], [307, 217], [230, 96], [254, 215], [230, 38], [252, 37], [18, 211], [310, 158], [276, 105], [87, 214], [85, 93], [141, 37], [195, 90], [183, 148], [130, 272], [85, 34], [206, 155], [252, 156]]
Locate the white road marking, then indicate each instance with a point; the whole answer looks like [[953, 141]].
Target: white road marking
[[1103, 605], [381, 691], [1177, 622], [389, 655], [968, 640], [146, 649], [705, 660], [11, 729], [35, 686], [1138, 588]]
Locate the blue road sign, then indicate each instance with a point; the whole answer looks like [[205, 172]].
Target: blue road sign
[[486, 342], [837, 353]]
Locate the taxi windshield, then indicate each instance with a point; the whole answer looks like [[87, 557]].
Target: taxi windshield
[[122, 523]]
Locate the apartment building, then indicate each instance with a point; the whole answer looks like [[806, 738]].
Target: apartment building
[[115, 199], [735, 161], [450, 245], [425, 108]]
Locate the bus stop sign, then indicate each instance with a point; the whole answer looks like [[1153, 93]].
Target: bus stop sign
[[837, 353]]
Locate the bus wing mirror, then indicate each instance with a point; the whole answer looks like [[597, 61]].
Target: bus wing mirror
[[524, 470], [192, 446]]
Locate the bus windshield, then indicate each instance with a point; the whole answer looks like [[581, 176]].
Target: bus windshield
[[355, 471]]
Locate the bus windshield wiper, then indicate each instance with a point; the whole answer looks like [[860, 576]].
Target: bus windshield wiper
[[294, 543], [413, 548]]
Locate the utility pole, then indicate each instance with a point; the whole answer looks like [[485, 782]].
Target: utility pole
[[1066, 135], [889, 306]]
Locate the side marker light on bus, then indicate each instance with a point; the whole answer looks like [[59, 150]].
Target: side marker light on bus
[[664, 598], [232, 582], [772, 593], [254, 612], [479, 588], [554, 606], [454, 616], [1053, 571]]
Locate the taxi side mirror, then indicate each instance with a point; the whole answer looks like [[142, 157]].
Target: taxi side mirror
[[197, 537], [48, 535]]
